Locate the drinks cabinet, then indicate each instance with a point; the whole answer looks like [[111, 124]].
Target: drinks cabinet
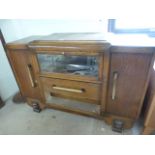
[[83, 74]]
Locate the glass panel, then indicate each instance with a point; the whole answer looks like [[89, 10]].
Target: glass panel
[[77, 65]]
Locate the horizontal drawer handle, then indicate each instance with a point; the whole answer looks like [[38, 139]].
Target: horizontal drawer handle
[[69, 89]]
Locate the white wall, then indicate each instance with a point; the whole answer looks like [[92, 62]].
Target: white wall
[[8, 86], [17, 29]]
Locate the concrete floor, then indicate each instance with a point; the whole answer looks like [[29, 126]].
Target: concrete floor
[[19, 119]]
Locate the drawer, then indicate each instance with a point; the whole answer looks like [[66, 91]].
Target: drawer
[[82, 91]]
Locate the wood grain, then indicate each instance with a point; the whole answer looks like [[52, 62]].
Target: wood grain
[[131, 63], [91, 92], [19, 61], [149, 122], [105, 81], [132, 74]]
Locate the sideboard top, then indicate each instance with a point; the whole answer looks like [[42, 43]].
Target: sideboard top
[[73, 36], [57, 37], [22, 43], [68, 39]]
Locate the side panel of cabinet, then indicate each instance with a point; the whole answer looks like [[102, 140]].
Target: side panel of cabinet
[[149, 122], [20, 61], [128, 76]]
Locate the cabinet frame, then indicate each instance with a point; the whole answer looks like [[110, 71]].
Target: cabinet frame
[[79, 47], [101, 74]]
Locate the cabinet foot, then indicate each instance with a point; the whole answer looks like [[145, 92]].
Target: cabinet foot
[[118, 126], [18, 98], [36, 107]]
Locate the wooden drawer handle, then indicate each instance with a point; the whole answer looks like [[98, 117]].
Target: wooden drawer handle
[[115, 78], [30, 73], [68, 89]]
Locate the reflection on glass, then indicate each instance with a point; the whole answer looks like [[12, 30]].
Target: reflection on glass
[[77, 65]]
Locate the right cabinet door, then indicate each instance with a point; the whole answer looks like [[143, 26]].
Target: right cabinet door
[[128, 76]]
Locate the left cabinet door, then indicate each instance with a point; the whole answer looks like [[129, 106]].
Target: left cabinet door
[[24, 69]]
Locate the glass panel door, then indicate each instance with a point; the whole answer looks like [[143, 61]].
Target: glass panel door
[[66, 64]]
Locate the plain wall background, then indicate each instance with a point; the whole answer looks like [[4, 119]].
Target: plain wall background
[[8, 86], [14, 29]]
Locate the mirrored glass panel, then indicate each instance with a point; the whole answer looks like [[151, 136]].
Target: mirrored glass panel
[[76, 65]]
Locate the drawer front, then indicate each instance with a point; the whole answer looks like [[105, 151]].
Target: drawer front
[[71, 89]]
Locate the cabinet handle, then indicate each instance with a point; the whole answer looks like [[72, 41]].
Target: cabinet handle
[[115, 77], [29, 69], [69, 89]]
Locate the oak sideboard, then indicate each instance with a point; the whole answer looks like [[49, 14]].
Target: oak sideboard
[[83, 74]]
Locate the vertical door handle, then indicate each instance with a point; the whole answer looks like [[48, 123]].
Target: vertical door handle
[[30, 73], [115, 78]]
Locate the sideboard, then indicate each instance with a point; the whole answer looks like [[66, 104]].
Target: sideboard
[[83, 74]]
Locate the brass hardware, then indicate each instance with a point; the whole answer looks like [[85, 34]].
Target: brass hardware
[[29, 69], [69, 89], [115, 77]]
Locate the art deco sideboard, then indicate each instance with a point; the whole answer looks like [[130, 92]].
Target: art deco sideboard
[[84, 74]]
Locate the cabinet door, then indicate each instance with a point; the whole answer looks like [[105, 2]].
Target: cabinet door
[[128, 75], [23, 67]]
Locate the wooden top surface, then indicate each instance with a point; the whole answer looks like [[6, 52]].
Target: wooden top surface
[[69, 39], [73, 36], [57, 38], [61, 37], [25, 40], [22, 43]]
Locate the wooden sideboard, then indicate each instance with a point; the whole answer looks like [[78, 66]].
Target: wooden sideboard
[[106, 82]]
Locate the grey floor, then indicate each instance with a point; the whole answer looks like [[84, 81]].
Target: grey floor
[[19, 119]]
